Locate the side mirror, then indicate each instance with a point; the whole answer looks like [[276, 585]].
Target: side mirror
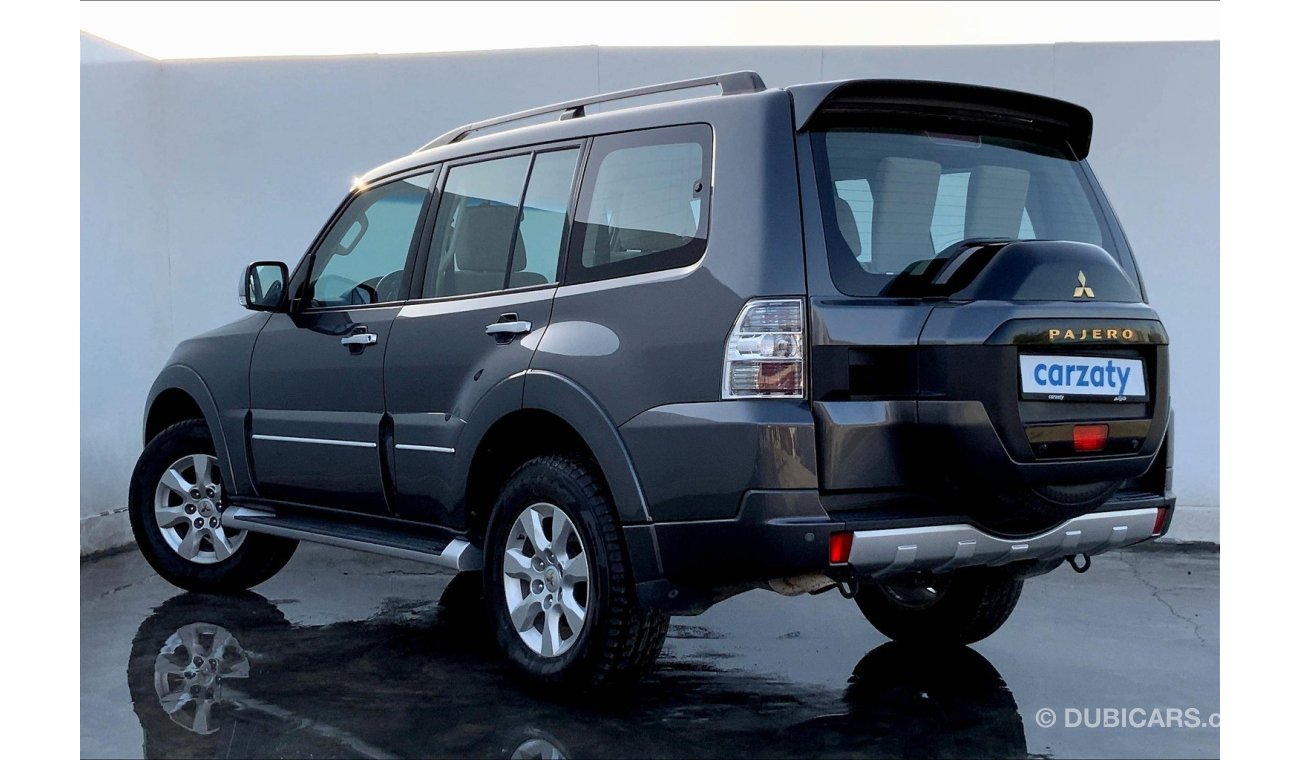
[[262, 286]]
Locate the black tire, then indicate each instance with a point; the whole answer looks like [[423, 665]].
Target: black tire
[[958, 608], [257, 559], [618, 641]]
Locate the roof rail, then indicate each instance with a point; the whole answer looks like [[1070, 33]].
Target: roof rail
[[733, 83]]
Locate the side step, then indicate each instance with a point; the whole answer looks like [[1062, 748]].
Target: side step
[[456, 554]]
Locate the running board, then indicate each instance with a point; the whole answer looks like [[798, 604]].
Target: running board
[[457, 554]]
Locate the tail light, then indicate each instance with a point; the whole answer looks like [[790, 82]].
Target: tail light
[[765, 351]]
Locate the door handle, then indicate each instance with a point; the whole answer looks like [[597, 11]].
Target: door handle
[[360, 339], [516, 327]]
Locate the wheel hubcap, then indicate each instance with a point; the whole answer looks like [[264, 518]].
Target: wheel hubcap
[[187, 505], [545, 578]]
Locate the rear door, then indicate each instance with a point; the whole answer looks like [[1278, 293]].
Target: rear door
[[316, 379], [909, 219], [483, 299]]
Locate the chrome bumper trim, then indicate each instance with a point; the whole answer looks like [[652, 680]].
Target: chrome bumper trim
[[940, 548]]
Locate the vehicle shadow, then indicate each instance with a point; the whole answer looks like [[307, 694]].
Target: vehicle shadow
[[229, 676]]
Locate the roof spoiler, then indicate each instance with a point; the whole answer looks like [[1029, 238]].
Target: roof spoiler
[[819, 104]]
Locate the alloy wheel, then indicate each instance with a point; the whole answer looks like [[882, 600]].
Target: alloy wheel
[[545, 577], [187, 505]]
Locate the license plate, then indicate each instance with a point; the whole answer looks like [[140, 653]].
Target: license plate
[[1089, 378]]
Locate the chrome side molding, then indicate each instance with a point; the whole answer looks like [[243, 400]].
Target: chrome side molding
[[321, 441]]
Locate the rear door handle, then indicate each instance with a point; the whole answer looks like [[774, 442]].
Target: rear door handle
[[515, 327], [360, 339]]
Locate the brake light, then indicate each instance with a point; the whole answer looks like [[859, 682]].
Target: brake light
[[765, 353], [1090, 437], [841, 544]]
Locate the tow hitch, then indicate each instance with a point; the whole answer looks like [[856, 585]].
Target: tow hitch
[[1077, 565], [848, 588]]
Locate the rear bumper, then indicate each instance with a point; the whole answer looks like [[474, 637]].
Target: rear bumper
[[735, 499], [685, 567], [880, 554]]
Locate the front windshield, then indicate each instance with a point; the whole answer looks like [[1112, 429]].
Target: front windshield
[[893, 201]]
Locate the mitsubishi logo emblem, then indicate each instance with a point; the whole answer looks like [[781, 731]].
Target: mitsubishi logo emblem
[[1083, 291]]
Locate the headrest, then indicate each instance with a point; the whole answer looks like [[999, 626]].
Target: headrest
[[481, 240], [995, 201], [904, 192], [848, 226]]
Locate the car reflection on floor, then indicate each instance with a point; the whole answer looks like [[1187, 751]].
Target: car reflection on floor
[[229, 676]]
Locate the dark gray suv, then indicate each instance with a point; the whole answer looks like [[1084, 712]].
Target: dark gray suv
[[876, 336]]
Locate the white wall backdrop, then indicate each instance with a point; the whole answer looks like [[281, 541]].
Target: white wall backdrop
[[190, 169]]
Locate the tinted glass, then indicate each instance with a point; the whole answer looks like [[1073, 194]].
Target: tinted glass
[[644, 202], [362, 259], [895, 200], [475, 225], [536, 257]]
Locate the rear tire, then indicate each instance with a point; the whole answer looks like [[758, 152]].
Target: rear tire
[[554, 550], [176, 504], [958, 608]]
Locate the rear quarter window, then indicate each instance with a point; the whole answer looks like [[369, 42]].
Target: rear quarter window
[[644, 203]]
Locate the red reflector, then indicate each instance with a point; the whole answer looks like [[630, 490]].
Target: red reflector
[[1090, 437], [840, 544], [1162, 517]]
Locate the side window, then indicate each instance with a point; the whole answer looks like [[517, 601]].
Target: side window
[[474, 227], [363, 257], [536, 257], [644, 203]]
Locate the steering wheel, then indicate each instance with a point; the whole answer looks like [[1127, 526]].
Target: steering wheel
[[362, 295], [389, 287]]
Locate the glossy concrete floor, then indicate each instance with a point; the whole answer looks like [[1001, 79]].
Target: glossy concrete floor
[[353, 655]]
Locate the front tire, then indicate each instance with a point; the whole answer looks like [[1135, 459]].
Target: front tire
[[176, 504], [558, 581], [958, 608]]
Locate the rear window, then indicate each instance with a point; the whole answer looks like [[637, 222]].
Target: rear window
[[894, 201]]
